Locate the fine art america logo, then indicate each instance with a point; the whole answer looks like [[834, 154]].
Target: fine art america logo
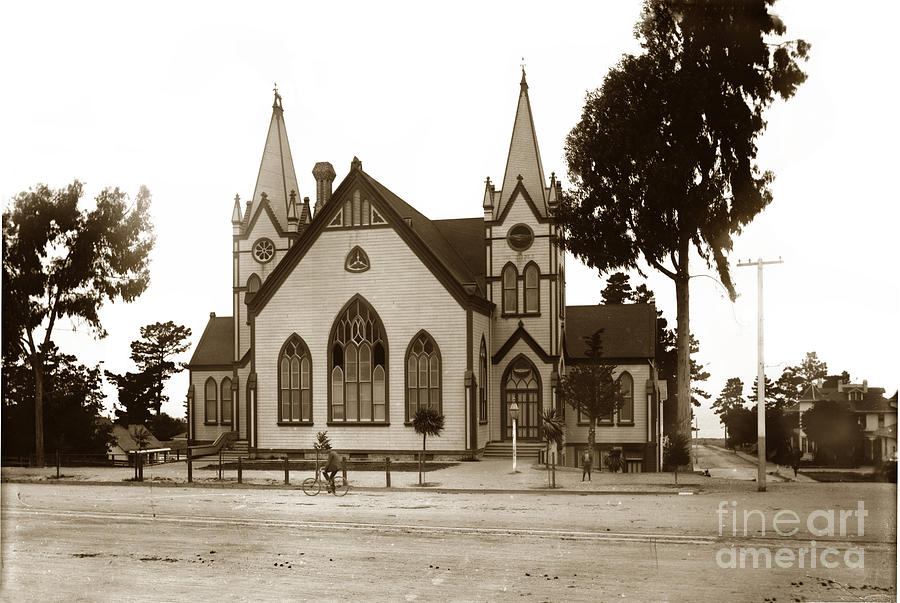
[[786, 523]]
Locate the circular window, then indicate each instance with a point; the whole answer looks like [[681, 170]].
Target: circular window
[[263, 250], [520, 237]]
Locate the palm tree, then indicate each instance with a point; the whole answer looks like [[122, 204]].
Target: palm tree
[[552, 427], [428, 422]]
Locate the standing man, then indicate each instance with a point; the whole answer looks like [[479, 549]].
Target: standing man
[[587, 460]]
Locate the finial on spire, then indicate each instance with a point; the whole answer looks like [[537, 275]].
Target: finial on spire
[[276, 104]]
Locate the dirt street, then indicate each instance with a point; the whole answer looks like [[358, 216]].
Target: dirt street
[[144, 542]]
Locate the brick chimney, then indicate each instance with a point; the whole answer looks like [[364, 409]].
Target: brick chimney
[[323, 172]]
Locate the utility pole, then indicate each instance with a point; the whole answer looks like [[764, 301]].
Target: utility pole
[[760, 377]]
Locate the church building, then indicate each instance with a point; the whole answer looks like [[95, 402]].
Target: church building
[[352, 312]]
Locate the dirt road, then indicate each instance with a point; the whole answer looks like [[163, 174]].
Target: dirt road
[[137, 543]]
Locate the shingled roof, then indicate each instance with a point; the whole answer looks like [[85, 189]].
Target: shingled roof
[[216, 346], [629, 330]]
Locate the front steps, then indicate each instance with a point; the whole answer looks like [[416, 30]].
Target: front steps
[[527, 449]]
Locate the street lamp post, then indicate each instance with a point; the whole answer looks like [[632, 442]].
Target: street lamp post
[[514, 415]]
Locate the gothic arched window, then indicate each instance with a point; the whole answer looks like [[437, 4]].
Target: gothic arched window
[[294, 382], [532, 289], [226, 401], [211, 399], [510, 289], [423, 374], [626, 386], [358, 366]]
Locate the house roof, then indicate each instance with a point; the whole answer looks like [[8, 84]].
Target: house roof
[[629, 330], [125, 438], [216, 345], [873, 399]]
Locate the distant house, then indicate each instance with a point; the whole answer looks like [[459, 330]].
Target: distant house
[[628, 341], [133, 438], [876, 414]]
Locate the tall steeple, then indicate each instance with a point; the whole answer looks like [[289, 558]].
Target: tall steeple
[[524, 158], [276, 170]]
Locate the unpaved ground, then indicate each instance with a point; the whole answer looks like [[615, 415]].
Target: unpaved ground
[[64, 542]]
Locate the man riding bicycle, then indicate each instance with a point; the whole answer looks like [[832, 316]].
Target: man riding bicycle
[[332, 465]]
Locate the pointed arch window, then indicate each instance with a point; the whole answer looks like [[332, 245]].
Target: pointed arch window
[[358, 366], [294, 382], [227, 409], [211, 398], [532, 289], [626, 386], [482, 382], [510, 289], [423, 374]]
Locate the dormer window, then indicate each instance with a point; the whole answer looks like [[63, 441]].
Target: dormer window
[[855, 395]]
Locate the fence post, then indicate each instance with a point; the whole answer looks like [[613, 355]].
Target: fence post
[[140, 467], [220, 464], [57, 463], [387, 471], [287, 476], [553, 472], [190, 466], [240, 474], [344, 468]]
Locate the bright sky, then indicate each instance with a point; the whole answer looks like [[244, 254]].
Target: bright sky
[[177, 96]]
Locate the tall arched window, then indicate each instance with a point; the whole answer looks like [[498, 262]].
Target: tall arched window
[[482, 382], [358, 366], [423, 374], [212, 402], [510, 289], [294, 382], [532, 289], [226, 401], [626, 386]]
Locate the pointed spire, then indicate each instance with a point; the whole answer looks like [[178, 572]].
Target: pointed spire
[[488, 202], [236, 217], [552, 192], [523, 163], [276, 169], [305, 214]]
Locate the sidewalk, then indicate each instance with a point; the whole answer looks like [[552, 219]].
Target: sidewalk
[[493, 475], [784, 472]]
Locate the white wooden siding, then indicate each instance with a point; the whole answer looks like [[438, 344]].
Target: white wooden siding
[[407, 298]]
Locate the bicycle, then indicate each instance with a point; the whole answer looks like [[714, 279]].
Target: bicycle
[[313, 485]]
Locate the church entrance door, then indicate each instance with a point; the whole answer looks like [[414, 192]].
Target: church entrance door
[[521, 385]]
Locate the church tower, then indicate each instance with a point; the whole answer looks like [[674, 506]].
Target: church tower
[[262, 233], [524, 266]]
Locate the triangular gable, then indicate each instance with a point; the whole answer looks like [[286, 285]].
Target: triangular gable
[[262, 206], [451, 276], [520, 192], [521, 334]]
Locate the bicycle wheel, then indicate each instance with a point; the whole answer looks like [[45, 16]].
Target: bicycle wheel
[[341, 487], [311, 486]]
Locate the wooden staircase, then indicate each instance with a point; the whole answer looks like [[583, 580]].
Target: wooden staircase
[[527, 449]]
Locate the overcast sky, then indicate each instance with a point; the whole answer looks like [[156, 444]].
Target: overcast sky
[[178, 96]]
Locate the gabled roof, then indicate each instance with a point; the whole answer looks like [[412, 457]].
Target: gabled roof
[[426, 238], [466, 237], [276, 170], [629, 330], [873, 399], [524, 158], [216, 346], [125, 437]]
